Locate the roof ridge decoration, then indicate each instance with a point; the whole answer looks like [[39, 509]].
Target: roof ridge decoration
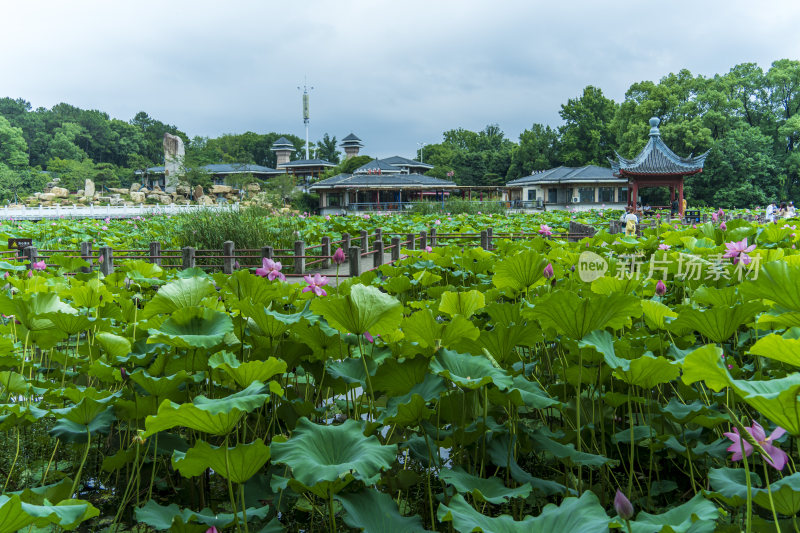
[[656, 159]]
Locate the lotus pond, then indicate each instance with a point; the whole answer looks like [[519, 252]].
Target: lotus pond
[[615, 383]]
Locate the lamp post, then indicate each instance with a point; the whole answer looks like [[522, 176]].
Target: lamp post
[[421, 155]]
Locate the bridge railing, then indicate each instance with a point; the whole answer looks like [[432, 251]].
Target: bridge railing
[[105, 211]]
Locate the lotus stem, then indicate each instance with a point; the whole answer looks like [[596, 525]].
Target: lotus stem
[[83, 462], [331, 511], [749, 508], [49, 463], [230, 485], [14, 462], [769, 494]]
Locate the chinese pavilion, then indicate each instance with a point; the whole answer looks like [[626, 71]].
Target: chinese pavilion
[[656, 166]]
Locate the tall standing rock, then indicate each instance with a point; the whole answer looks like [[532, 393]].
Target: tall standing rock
[[174, 154], [88, 188], [198, 192]]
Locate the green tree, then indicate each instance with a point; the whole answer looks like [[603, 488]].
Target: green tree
[[13, 148], [64, 143], [327, 149], [537, 150], [587, 136]]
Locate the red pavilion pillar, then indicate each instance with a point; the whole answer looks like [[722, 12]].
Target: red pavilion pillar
[[680, 196], [634, 199]]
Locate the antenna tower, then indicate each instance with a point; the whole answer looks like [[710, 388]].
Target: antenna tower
[[306, 114]]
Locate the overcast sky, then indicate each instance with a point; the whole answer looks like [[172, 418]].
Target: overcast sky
[[394, 72]]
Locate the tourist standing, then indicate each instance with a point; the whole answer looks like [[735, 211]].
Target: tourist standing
[[770, 212], [631, 221]]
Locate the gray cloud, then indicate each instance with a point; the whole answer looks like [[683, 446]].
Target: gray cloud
[[395, 73]]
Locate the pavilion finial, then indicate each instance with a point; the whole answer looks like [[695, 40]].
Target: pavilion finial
[[654, 122]]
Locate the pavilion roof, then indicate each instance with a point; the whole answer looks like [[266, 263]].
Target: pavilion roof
[[383, 181], [656, 159], [586, 174]]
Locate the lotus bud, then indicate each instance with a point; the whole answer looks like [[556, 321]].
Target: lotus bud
[[623, 506], [723, 226], [123, 373], [548, 271], [338, 256], [212, 529], [661, 289]]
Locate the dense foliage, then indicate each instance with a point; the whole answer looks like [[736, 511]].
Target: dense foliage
[[517, 389]]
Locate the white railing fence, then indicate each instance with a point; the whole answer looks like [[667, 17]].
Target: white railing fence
[[104, 211]]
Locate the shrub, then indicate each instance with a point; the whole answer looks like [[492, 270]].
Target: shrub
[[250, 227], [458, 206]]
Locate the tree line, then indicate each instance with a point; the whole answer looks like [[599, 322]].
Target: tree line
[[748, 117]]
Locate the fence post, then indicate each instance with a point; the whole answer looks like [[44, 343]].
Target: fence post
[[378, 234], [377, 258], [354, 253], [228, 250], [187, 257], [32, 254], [106, 260], [705, 218], [364, 241], [411, 238], [432, 235], [155, 253], [346, 245], [86, 254], [325, 252], [299, 259], [485, 239], [395, 249], [489, 241], [267, 252], [423, 240]]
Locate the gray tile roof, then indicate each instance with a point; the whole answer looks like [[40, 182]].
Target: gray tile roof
[[239, 169], [376, 165], [283, 144], [383, 181], [656, 159], [307, 163], [587, 174], [351, 140], [405, 162]]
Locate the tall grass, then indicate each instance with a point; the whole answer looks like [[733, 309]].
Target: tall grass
[[250, 227], [459, 205]]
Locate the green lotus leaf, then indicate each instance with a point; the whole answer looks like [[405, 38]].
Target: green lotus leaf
[[68, 264], [239, 464], [320, 455], [376, 512], [214, 416], [139, 268], [501, 455], [576, 316], [68, 514], [469, 371], [646, 371], [12, 383], [698, 515], [193, 327], [519, 272], [489, 490], [501, 342], [776, 398], [364, 309], [465, 304], [162, 517], [423, 328], [246, 373], [717, 323], [784, 348], [523, 393], [31, 309], [397, 377], [69, 323], [785, 495], [270, 323], [114, 345], [6, 266], [584, 514], [777, 281], [656, 314], [53, 493], [608, 285], [543, 440], [88, 294], [730, 486], [412, 407], [72, 428], [161, 387], [716, 296], [179, 294]]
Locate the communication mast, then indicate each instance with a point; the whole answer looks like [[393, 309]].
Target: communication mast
[[306, 114]]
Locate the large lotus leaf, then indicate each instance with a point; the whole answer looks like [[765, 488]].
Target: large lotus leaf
[[784, 348], [165, 517], [68, 514], [53, 493], [239, 464], [376, 512], [608, 285], [656, 313], [501, 455], [584, 514], [519, 272], [412, 407], [575, 316], [785, 495], [729, 485], [193, 327], [646, 371], [543, 440], [489, 490], [397, 377], [13, 383], [465, 304], [322, 454], [143, 268], [68, 430], [776, 398], [505, 314], [31, 311], [717, 323], [88, 294], [215, 416], [178, 294], [68, 264], [161, 387], [718, 297], [778, 282], [423, 328], [698, 515], [271, 323], [469, 371], [114, 345], [523, 393], [365, 309], [69, 323], [246, 373], [501, 342]]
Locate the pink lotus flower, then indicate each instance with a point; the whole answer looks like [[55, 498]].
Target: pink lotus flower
[[658, 216], [723, 226], [548, 271], [714, 217], [212, 529], [39, 265], [270, 269], [622, 505], [428, 249], [338, 256], [664, 246], [545, 230], [315, 284], [777, 458], [437, 222], [738, 251], [661, 289], [327, 217], [369, 337]]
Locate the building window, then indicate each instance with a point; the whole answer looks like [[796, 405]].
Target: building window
[[607, 194], [622, 195], [219, 180], [531, 195], [334, 199], [552, 196], [586, 195]]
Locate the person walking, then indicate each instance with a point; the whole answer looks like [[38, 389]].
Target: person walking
[[770, 215], [631, 221]]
